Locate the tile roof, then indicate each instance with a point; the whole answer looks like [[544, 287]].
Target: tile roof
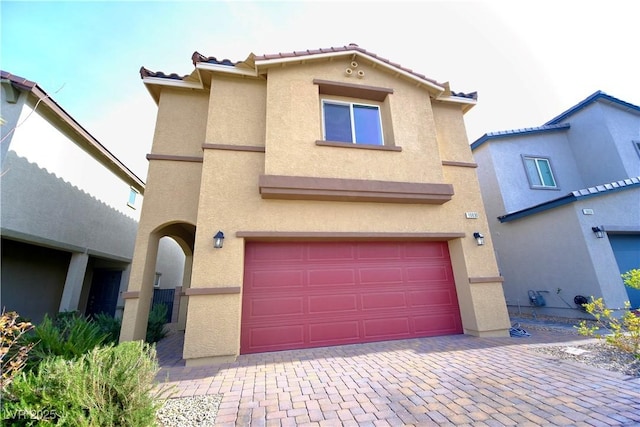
[[17, 80], [197, 57], [596, 96], [524, 131], [598, 190]]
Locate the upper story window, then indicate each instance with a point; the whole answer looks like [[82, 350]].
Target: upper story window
[[352, 122], [637, 145], [133, 194], [539, 172]]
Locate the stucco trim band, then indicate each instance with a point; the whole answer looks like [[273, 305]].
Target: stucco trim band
[[230, 147], [343, 236], [352, 190], [459, 164], [486, 279], [351, 90], [361, 146], [213, 291], [131, 294], [174, 158]]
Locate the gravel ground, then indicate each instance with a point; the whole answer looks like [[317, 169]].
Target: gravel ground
[[598, 354], [198, 411]]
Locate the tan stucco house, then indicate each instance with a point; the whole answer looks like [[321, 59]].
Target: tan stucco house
[[347, 195]]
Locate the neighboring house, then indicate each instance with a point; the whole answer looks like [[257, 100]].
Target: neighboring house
[[347, 194], [70, 212], [563, 201]]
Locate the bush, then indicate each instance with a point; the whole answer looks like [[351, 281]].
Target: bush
[[68, 335], [110, 326], [13, 353], [155, 327], [622, 332], [108, 386], [632, 278]]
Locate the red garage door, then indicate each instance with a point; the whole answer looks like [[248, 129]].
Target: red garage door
[[302, 295]]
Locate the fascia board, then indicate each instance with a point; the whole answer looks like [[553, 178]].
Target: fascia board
[[172, 82], [226, 69]]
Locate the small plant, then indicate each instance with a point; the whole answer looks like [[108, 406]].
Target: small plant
[[157, 319], [110, 326], [68, 335], [108, 386], [623, 332], [632, 278], [13, 354]]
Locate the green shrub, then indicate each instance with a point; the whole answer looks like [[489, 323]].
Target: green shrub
[[108, 386], [13, 353], [157, 319], [110, 326], [68, 336], [632, 278], [622, 332]]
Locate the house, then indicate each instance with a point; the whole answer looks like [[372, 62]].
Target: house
[[70, 212], [563, 201], [346, 193]]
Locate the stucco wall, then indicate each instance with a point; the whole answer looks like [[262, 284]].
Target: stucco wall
[[283, 114]]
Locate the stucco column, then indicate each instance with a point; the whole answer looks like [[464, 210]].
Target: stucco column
[[74, 281], [184, 300], [137, 299]]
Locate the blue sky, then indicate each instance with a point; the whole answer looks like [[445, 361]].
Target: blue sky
[[528, 60]]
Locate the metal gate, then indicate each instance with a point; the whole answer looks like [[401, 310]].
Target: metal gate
[[164, 296]]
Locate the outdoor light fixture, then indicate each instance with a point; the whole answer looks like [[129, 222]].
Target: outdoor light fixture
[[218, 239], [479, 238], [599, 232]]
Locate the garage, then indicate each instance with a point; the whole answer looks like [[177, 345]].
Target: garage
[[626, 248], [315, 294]]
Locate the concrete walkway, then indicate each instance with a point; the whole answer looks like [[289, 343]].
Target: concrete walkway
[[443, 381]]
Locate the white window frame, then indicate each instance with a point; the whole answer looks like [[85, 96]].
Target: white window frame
[[536, 159], [156, 281], [636, 145], [351, 116]]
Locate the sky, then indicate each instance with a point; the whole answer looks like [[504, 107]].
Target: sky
[[528, 60]]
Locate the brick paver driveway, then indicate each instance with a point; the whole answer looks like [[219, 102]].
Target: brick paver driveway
[[453, 380]]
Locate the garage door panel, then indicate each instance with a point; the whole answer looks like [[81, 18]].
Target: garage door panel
[[437, 324], [430, 274], [384, 300], [432, 297], [346, 292], [336, 277], [334, 332], [329, 251], [342, 303], [426, 252], [273, 252], [386, 328], [380, 275], [282, 336], [275, 307], [385, 251], [270, 280]]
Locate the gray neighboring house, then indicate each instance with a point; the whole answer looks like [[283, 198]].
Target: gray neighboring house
[[69, 212], [563, 201]]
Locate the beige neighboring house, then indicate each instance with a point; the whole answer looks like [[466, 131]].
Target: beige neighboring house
[[347, 195], [70, 212]]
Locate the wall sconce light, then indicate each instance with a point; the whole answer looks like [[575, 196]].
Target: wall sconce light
[[218, 239], [599, 232], [479, 238]]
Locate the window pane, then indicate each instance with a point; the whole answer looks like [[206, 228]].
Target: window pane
[[367, 122], [532, 171], [545, 172], [337, 123]]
